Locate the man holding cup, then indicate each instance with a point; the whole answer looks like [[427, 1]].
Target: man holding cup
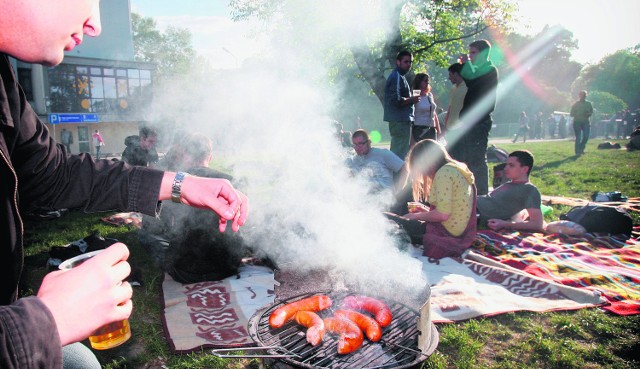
[[40, 331]]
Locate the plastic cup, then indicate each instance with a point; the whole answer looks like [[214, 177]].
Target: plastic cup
[[413, 206], [109, 335]]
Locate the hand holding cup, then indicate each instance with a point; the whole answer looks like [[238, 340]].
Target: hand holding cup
[[90, 294]]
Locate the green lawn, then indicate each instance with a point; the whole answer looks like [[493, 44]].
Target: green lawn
[[589, 338]]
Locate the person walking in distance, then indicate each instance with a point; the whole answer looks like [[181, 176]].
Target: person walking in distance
[[98, 142], [523, 128], [581, 112]]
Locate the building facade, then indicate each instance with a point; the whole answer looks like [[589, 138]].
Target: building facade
[[98, 86]]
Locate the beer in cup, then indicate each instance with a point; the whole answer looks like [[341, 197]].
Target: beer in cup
[[109, 335]]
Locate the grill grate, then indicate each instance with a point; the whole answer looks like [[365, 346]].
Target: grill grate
[[398, 347]]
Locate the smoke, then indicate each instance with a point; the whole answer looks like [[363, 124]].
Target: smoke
[[270, 127]]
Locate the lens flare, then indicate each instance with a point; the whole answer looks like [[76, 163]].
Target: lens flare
[[375, 137]]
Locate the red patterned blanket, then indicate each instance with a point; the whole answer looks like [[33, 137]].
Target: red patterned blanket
[[602, 263]]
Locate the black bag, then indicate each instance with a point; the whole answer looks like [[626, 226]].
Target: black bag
[[601, 219], [496, 154]]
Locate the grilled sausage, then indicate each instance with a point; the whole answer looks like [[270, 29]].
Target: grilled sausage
[[286, 312], [351, 337], [369, 325], [376, 307], [314, 324]]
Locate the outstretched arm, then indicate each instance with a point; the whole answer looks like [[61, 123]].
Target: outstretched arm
[[210, 193]]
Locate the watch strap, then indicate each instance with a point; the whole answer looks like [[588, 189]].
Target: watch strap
[[176, 187]]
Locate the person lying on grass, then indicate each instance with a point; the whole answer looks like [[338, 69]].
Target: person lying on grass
[[498, 208]]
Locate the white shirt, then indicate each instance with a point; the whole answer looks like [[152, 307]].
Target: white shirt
[[425, 111]]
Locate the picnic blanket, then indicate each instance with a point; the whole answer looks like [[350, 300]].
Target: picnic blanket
[[473, 286], [632, 204], [215, 314], [592, 262]]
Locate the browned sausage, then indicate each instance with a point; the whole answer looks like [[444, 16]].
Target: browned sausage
[[369, 325], [376, 307], [286, 312], [351, 337], [314, 324]]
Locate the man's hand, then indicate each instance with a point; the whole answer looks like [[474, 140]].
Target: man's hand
[[218, 195], [210, 193], [497, 224], [90, 295]]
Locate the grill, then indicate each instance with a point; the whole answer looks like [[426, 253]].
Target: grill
[[398, 347]]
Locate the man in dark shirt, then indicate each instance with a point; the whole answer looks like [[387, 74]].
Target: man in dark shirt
[[581, 112], [141, 149], [39, 331], [398, 105], [481, 78]]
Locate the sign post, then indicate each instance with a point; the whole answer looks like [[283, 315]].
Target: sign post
[[73, 118]]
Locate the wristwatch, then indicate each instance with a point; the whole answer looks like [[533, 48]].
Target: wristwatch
[[176, 187]]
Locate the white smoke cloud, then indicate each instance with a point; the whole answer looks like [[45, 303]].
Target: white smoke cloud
[[270, 126]]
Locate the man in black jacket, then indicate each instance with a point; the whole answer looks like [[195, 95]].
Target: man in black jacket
[[141, 149], [481, 78], [35, 171]]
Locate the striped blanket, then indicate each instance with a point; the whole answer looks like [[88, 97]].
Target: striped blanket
[[594, 262]]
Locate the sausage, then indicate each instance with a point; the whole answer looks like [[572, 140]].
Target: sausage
[[376, 307], [351, 337], [366, 323], [286, 312], [314, 324]]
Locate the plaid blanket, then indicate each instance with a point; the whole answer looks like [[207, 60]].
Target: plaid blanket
[[594, 262]]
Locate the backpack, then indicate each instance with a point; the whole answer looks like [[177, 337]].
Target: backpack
[[601, 219], [496, 154]]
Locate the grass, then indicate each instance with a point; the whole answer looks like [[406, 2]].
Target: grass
[[588, 338]]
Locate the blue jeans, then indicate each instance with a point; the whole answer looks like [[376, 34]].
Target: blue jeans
[[582, 131], [400, 138], [78, 356]]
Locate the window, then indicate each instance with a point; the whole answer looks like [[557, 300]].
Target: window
[[76, 88]]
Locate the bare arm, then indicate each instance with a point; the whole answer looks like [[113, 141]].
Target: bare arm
[[210, 193], [433, 216], [535, 222]]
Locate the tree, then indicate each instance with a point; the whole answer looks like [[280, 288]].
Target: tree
[[618, 74], [537, 73], [606, 103], [171, 51], [433, 30]]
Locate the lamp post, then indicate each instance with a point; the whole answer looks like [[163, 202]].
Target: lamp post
[[233, 55]]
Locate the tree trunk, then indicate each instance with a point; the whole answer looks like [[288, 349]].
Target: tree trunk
[[373, 67]]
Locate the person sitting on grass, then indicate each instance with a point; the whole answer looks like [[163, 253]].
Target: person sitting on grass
[[181, 240], [447, 226], [499, 206], [384, 169]]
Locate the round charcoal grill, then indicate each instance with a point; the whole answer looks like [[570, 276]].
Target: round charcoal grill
[[398, 347]]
